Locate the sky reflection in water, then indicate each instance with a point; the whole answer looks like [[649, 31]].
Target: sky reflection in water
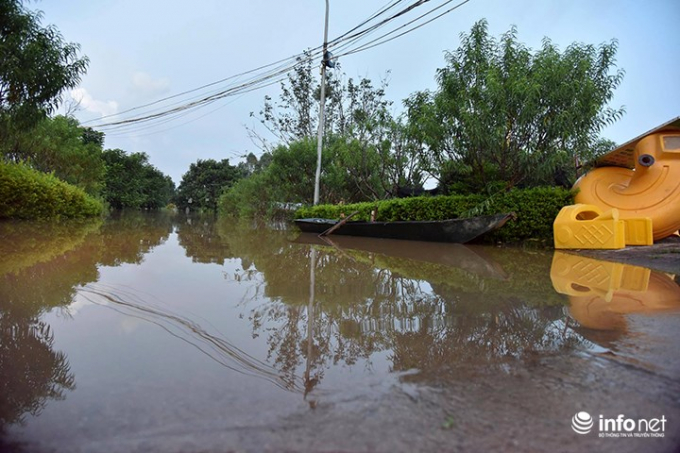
[[155, 323]]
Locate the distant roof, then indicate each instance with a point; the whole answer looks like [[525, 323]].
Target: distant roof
[[623, 155]]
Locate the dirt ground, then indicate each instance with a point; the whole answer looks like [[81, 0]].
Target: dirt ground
[[663, 256]]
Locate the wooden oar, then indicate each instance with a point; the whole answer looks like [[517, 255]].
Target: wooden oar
[[338, 225]]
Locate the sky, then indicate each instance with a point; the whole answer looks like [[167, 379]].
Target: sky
[[141, 51]]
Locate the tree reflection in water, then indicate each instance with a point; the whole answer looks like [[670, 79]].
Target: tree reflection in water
[[31, 373], [317, 306], [43, 266], [327, 305]]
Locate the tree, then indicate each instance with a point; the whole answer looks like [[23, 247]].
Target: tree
[[61, 146], [253, 165], [132, 182], [202, 185], [367, 153], [36, 67], [504, 114], [158, 188]]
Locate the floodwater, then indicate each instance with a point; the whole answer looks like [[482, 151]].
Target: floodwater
[[154, 332]]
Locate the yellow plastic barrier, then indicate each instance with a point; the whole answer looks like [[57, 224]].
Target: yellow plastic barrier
[[576, 275], [651, 190], [583, 226], [639, 231], [600, 292]]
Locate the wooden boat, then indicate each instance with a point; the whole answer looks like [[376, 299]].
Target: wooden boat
[[453, 230]]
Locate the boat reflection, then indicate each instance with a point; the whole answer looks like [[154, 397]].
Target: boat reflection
[[601, 293], [429, 306], [468, 258]]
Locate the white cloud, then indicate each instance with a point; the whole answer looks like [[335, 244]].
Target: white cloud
[[150, 86], [87, 102]]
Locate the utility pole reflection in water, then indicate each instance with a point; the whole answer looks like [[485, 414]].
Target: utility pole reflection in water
[[309, 382]]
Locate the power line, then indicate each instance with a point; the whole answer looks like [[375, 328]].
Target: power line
[[377, 42], [275, 72], [252, 84]]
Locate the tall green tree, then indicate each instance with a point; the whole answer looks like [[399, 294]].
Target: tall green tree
[[367, 151], [503, 113], [132, 182], [158, 188], [61, 146], [205, 181], [36, 67]]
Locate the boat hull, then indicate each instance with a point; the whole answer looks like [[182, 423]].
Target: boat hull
[[453, 230]]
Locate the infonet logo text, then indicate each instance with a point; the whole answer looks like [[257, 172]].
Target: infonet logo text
[[582, 423]]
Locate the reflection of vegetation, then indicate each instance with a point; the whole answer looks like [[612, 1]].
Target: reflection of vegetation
[[43, 265], [127, 236], [198, 235], [428, 314], [27, 243], [31, 373]]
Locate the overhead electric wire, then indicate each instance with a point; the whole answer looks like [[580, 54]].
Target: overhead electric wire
[[245, 87], [372, 28], [196, 102], [236, 76], [205, 97], [138, 132], [275, 72], [375, 15], [376, 42], [254, 83]]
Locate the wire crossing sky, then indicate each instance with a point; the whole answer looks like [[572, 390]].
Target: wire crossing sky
[[274, 73], [179, 81]]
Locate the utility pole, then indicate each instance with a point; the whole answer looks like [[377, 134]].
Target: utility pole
[[322, 101]]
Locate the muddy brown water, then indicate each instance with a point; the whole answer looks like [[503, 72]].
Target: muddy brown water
[[154, 332]]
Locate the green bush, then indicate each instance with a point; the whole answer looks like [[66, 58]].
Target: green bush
[[535, 208], [29, 194], [248, 198]]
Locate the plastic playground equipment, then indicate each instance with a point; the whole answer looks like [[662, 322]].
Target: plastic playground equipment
[[640, 179], [600, 292]]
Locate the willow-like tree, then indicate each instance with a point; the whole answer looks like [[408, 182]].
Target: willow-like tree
[[505, 116], [367, 153]]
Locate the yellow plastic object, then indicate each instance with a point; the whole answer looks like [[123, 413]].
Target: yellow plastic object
[[575, 275], [601, 292], [583, 226], [651, 190], [639, 231]]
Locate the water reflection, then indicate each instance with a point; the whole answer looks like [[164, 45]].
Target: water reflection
[[427, 305], [198, 235], [311, 308], [132, 304], [43, 267], [31, 372], [602, 293]]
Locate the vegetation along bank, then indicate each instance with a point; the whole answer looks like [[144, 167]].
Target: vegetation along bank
[[507, 129]]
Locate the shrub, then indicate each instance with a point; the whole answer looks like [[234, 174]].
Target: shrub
[[535, 208], [29, 194], [249, 198]]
